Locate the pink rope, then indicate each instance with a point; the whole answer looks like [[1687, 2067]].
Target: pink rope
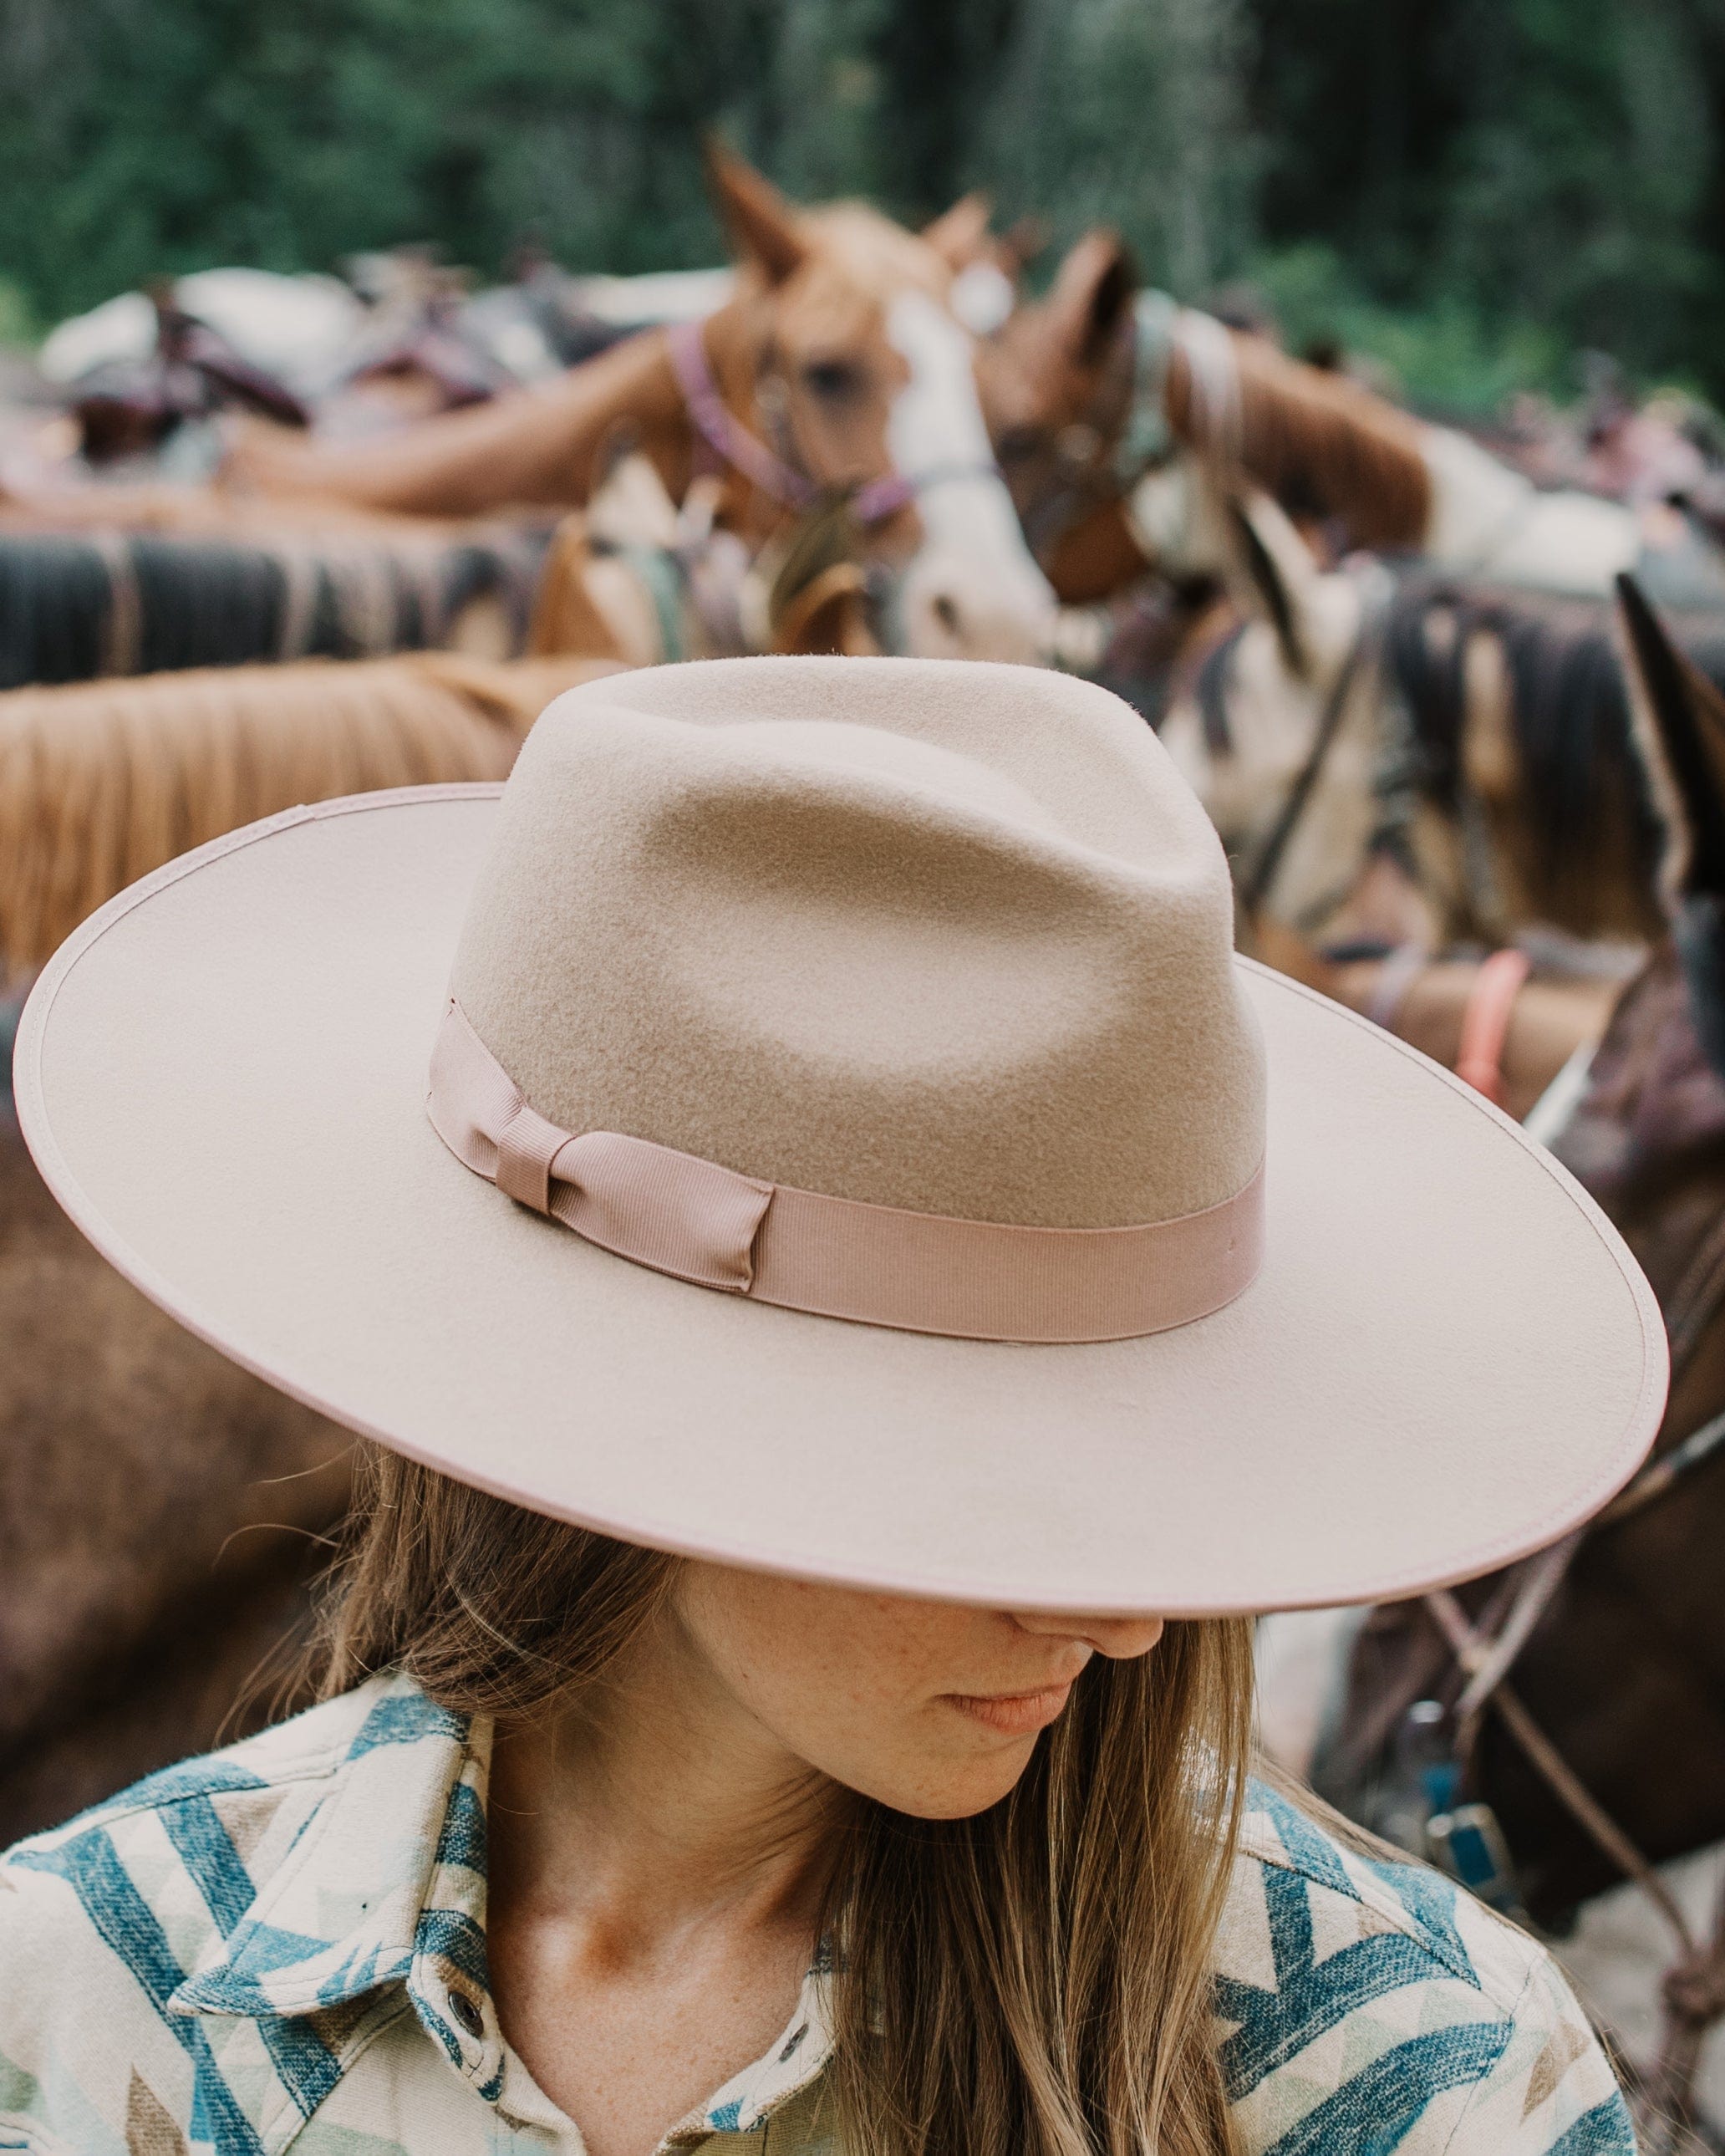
[[726, 436]]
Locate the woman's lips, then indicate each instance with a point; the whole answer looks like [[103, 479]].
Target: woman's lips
[[1014, 1713]]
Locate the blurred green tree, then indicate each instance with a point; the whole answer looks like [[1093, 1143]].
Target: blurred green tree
[[1509, 179]]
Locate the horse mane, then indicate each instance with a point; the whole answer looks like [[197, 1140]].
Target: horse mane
[[1569, 712], [101, 783], [77, 605], [1323, 446]]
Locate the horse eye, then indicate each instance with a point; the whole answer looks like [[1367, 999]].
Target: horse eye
[[1017, 445], [832, 379]]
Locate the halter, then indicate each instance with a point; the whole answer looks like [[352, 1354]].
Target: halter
[[1161, 326], [745, 453]]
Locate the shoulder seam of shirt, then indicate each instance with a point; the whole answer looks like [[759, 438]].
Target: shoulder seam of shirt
[[115, 1814], [1506, 1997]]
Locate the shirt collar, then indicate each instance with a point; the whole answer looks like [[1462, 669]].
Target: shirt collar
[[384, 1883]]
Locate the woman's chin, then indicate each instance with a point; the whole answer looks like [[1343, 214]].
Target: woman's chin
[[961, 1789]]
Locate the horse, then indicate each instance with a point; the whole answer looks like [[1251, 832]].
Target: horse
[[1107, 404], [1396, 758], [1568, 1714], [1100, 388], [162, 1511], [1512, 1022], [102, 782], [836, 370], [75, 605]]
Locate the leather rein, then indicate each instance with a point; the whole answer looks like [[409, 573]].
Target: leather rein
[[1485, 1651]]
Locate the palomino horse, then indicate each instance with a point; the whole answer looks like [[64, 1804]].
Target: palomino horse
[[1578, 1695], [1393, 759], [837, 370], [1108, 404]]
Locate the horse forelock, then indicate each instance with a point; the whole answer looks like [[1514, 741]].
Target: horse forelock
[[877, 255]]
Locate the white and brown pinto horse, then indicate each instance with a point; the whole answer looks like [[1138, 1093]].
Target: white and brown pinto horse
[[1408, 761], [837, 373], [1111, 407]]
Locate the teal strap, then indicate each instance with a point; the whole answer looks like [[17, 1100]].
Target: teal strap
[[1146, 440], [662, 572]]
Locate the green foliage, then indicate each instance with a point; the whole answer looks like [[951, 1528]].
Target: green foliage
[[1470, 189], [1119, 112], [1445, 357], [1506, 163], [18, 327]]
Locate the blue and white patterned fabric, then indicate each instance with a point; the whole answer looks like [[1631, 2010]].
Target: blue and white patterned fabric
[[282, 1946]]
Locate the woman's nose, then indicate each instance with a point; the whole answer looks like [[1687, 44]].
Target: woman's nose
[[1122, 1639]]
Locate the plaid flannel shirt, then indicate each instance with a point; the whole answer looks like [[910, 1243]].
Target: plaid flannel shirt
[[282, 1946]]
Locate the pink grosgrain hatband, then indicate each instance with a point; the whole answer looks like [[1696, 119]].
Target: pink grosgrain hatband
[[835, 1257]]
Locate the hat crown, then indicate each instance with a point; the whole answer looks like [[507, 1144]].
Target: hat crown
[[949, 937]]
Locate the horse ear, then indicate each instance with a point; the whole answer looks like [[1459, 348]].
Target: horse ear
[[1681, 734], [1092, 294], [759, 223], [1279, 577], [1023, 241], [960, 235]]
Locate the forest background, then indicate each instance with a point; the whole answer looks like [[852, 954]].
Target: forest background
[[1475, 192]]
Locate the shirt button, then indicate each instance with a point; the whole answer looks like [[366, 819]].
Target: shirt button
[[467, 2012]]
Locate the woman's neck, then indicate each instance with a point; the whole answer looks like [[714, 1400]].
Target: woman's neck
[[657, 1805]]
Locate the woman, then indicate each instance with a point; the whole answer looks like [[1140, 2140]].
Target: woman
[[849, 1330]]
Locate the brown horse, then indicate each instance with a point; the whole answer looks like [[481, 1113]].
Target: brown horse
[[162, 1513], [837, 372], [1113, 409], [1597, 1737], [1097, 388]]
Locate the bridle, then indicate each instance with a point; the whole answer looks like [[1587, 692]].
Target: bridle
[[1106, 475], [773, 474], [1257, 875], [1398, 785]]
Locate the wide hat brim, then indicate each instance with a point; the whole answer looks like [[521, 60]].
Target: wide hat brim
[[1448, 1359]]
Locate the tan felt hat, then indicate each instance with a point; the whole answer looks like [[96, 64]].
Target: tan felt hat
[[812, 1116]]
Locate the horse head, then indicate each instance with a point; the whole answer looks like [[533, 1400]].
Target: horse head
[[1112, 407], [843, 373], [1279, 730], [1058, 384]]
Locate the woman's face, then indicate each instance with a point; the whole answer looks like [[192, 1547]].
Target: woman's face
[[928, 1707]]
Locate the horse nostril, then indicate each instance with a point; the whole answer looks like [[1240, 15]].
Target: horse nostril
[[946, 612]]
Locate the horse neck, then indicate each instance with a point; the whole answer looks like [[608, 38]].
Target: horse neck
[[538, 446], [1303, 434]]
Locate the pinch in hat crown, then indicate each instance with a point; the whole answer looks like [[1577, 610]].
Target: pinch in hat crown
[[951, 938]]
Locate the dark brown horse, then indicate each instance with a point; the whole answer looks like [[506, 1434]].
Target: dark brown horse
[[1602, 1747], [162, 1514]]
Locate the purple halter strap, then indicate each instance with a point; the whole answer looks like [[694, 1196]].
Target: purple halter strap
[[731, 441]]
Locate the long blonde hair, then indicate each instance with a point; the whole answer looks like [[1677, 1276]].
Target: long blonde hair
[[1035, 1979]]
